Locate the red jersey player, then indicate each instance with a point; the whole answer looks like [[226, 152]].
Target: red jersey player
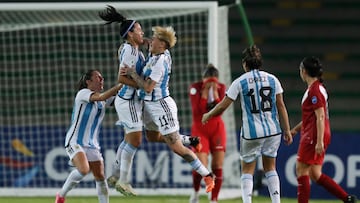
[[315, 135], [204, 95]]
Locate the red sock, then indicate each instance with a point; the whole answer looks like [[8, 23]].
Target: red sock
[[218, 182], [196, 180], [331, 186], [303, 194]]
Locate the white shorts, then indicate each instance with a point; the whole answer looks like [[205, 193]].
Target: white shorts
[[149, 124], [252, 149], [92, 154], [129, 113], [163, 113]]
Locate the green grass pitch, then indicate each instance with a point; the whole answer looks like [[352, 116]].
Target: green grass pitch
[[144, 199]]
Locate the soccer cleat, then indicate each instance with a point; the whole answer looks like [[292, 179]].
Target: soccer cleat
[[59, 199], [350, 199], [209, 182], [111, 181], [125, 189], [194, 198], [195, 143]]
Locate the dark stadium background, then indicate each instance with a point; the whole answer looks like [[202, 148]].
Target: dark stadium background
[[287, 31]]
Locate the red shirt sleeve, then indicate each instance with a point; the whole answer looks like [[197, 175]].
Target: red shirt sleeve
[[198, 105], [316, 98]]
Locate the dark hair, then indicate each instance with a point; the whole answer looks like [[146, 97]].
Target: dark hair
[[86, 76], [110, 15], [313, 67], [210, 71], [252, 57]]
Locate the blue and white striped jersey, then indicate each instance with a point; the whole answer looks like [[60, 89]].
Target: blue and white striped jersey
[[130, 56], [86, 120], [257, 91], [158, 68]]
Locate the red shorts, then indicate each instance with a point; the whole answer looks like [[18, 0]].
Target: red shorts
[[306, 152], [212, 135]]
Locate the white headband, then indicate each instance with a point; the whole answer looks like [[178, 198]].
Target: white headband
[[129, 28]]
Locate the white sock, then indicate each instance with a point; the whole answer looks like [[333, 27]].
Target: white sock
[[127, 156], [71, 181], [247, 183], [199, 167], [102, 191], [115, 170], [273, 186]]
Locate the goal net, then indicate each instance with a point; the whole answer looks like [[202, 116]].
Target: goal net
[[45, 48]]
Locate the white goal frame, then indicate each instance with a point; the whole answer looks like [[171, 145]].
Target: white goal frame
[[215, 56], [211, 6]]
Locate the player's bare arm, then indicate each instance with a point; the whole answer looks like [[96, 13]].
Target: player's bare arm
[[126, 80], [97, 96], [284, 119], [218, 109], [320, 126], [296, 129], [147, 84]]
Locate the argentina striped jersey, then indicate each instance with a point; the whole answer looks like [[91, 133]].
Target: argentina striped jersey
[[257, 91], [130, 56], [158, 68], [86, 120]]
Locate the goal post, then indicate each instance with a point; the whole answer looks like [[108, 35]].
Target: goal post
[[47, 46]]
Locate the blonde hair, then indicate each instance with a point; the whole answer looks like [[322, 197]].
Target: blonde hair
[[166, 34]]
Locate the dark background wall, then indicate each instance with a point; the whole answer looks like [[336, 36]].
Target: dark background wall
[[289, 30]]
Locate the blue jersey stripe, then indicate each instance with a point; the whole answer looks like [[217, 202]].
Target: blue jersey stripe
[[274, 112], [123, 90], [84, 121], [247, 103], [95, 125], [140, 65], [165, 80], [257, 94]]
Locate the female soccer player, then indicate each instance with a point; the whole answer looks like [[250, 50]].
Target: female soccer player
[[81, 143], [315, 135], [159, 106], [128, 105], [262, 104], [204, 95]]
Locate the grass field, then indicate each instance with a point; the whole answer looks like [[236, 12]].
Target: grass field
[[144, 199]]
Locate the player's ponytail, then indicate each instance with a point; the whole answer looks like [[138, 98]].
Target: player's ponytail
[[110, 15], [86, 76], [313, 67], [252, 57]]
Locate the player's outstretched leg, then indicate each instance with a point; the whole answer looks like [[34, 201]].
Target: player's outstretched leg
[[195, 143], [125, 188]]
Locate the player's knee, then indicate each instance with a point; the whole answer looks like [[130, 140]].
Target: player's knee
[[154, 137], [84, 170], [99, 176]]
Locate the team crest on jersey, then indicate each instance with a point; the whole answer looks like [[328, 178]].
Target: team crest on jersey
[[193, 91], [314, 100]]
